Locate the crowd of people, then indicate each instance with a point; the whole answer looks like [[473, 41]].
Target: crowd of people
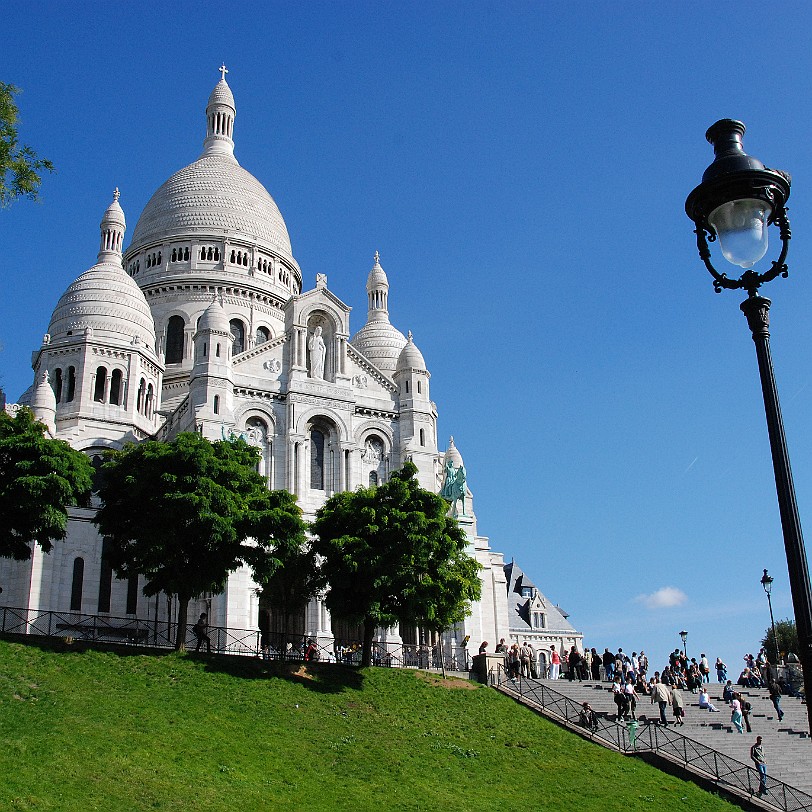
[[631, 681]]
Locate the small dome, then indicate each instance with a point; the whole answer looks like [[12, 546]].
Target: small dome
[[222, 95], [381, 343], [410, 357], [43, 401], [215, 319], [377, 276], [453, 455], [107, 301], [114, 216]]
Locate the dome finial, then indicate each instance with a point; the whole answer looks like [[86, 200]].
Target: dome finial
[[223, 71], [116, 194], [377, 258]]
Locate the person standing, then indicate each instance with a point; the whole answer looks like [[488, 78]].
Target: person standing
[[201, 631], [721, 670], [662, 696], [678, 704], [608, 665], [574, 661], [555, 663], [596, 665], [757, 757]]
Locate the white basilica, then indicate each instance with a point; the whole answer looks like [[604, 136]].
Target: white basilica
[[202, 325]]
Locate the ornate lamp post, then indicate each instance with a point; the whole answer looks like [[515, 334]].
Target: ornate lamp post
[[737, 201], [767, 583], [684, 635]]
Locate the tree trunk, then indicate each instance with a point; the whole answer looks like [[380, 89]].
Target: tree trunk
[[369, 633], [183, 608]]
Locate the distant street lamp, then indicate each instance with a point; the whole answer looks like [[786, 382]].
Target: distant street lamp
[[684, 635], [737, 201], [767, 583]]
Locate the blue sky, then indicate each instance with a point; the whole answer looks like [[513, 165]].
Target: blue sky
[[522, 169]]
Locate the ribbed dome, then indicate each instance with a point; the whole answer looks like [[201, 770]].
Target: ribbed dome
[[213, 196], [222, 95], [410, 357], [108, 301], [381, 343]]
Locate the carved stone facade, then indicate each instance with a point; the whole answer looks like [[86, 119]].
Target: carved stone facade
[[209, 330]]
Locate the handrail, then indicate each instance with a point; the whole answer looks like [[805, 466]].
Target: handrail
[[160, 634], [692, 756]]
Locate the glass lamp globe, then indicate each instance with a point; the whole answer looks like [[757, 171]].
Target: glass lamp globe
[[741, 226]]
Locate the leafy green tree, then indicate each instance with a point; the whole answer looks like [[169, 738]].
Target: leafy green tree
[[283, 562], [20, 168], [39, 478], [787, 635], [392, 555], [182, 513]]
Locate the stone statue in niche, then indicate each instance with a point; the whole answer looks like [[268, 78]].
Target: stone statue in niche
[[318, 351]]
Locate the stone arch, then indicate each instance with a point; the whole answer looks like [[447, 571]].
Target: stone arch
[[174, 340]]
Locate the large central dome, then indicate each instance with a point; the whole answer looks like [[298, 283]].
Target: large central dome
[[213, 196]]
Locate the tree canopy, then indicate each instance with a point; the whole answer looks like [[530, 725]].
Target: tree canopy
[[39, 478], [20, 168], [181, 513], [392, 555], [787, 635]]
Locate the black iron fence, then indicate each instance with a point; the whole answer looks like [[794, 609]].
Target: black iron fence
[[632, 737], [162, 634]]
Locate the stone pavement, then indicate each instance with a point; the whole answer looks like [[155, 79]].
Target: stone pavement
[[787, 746]]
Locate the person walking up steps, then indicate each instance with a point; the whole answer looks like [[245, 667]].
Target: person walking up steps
[[757, 757]]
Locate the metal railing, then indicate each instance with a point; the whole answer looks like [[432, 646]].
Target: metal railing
[[634, 738], [161, 634]]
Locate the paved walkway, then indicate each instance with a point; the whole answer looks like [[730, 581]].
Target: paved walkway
[[787, 747]]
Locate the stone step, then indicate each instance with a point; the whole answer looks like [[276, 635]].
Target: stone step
[[786, 743]]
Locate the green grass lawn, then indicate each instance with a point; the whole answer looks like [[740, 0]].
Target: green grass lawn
[[87, 729]]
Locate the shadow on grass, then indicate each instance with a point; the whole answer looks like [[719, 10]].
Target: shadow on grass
[[325, 678]]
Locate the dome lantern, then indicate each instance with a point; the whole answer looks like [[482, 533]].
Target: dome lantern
[[220, 115], [113, 226]]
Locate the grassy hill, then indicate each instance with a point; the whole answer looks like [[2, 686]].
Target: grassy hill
[[86, 729]]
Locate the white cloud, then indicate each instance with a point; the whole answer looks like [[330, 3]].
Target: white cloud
[[665, 598]]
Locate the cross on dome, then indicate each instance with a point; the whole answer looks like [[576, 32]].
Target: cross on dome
[[223, 71], [377, 257], [116, 193]]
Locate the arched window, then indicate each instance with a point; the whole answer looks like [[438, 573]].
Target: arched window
[[317, 459], [407, 387], [76, 585], [132, 594], [71, 384], [233, 257], [174, 340], [174, 255], [217, 404], [97, 461], [116, 393], [101, 383], [238, 331], [142, 394], [58, 384], [422, 436], [186, 254], [149, 404], [263, 334], [105, 578], [373, 478], [419, 387]]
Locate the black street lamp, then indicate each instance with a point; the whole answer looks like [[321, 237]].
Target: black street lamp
[[684, 635], [737, 201], [767, 583]]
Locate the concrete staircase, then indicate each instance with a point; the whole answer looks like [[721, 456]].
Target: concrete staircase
[[786, 744]]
